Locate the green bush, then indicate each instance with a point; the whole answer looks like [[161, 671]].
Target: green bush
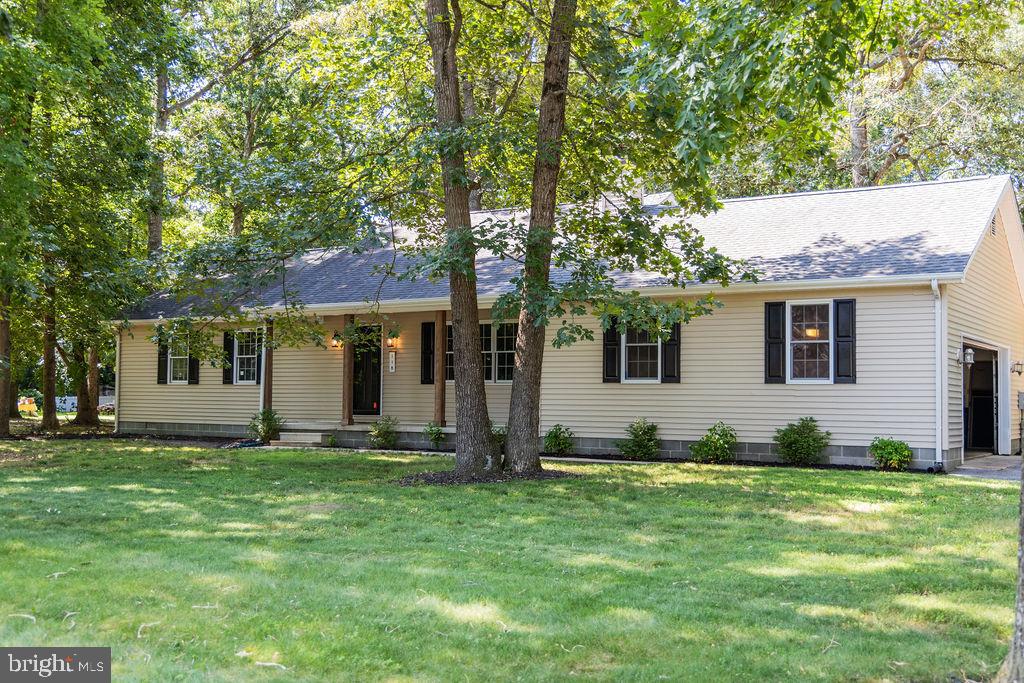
[[332, 441], [641, 442], [801, 442], [383, 433], [435, 434], [499, 433], [558, 440], [266, 425], [890, 454], [717, 445]]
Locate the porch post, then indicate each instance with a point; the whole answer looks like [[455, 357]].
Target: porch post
[[348, 362], [440, 341], [268, 365]]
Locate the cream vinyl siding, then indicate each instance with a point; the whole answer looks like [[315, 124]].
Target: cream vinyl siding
[[987, 307], [722, 370], [209, 402], [307, 382]]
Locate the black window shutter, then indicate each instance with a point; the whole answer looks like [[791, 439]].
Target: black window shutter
[[427, 353], [612, 353], [259, 356], [670, 357], [229, 358], [846, 341], [775, 342], [193, 370], [161, 363]]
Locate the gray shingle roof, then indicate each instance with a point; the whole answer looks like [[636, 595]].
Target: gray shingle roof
[[917, 229]]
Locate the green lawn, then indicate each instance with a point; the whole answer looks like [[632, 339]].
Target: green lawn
[[213, 564]]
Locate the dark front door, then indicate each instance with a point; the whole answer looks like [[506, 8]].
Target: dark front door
[[981, 405], [366, 375]]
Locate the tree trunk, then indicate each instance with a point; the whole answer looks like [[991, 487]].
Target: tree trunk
[[13, 411], [86, 413], [94, 382], [476, 192], [522, 446], [5, 365], [157, 175], [237, 219], [475, 451], [1012, 670], [860, 161], [50, 421]]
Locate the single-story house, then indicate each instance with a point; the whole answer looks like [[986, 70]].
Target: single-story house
[[890, 311]]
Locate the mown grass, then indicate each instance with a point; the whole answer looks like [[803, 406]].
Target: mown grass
[[225, 565]]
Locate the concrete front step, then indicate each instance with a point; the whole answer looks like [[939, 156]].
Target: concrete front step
[[300, 439]]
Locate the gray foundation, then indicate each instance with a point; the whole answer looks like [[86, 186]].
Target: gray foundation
[[672, 450]]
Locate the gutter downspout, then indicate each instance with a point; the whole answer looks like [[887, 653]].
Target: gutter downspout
[[937, 294], [263, 369], [117, 383]]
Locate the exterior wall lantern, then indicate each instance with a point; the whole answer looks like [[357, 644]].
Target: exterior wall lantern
[[1017, 367], [966, 357], [336, 340]]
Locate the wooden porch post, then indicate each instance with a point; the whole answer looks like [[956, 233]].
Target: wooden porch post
[[440, 342], [348, 361], [268, 365]]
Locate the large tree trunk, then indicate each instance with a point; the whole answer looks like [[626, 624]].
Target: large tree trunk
[[157, 174], [94, 382], [524, 413], [85, 413], [1012, 670], [237, 219], [50, 421], [475, 451], [5, 365], [860, 160]]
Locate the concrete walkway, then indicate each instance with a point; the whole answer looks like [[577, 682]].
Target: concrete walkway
[[1005, 467]]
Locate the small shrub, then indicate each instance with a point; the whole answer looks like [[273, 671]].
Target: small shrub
[[801, 442], [332, 441], [383, 433], [890, 454], [435, 434], [717, 445], [558, 440], [641, 442], [499, 433], [266, 425]]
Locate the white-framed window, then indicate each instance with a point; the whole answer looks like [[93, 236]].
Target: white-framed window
[[177, 361], [247, 349], [641, 357], [497, 348], [809, 341]]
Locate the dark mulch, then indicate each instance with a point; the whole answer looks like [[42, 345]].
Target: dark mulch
[[448, 478]]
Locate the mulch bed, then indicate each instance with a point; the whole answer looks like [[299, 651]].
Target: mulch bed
[[449, 478]]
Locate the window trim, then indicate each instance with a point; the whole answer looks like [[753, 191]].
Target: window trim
[[170, 363], [624, 378], [255, 357], [831, 341], [494, 324]]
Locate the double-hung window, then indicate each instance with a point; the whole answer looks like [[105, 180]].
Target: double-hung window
[[177, 361], [247, 348], [641, 356], [497, 349], [809, 341]]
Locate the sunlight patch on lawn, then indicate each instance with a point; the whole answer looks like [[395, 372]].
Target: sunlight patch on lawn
[[601, 560], [940, 609], [803, 564], [140, 488], [477, 613], [71, 489]]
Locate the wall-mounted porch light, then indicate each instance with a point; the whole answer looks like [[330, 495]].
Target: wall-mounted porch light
[[336, 340], [966, 357], [391, 342], [1017, 367]]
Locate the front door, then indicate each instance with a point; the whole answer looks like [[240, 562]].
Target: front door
[[366, 375]]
